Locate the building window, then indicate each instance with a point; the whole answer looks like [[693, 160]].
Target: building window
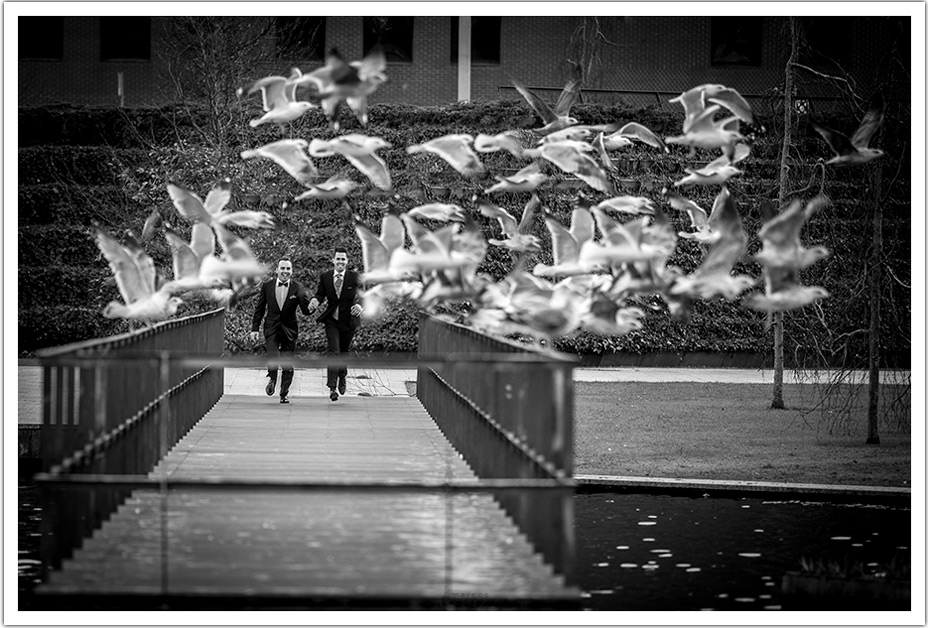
[[736, 41], [484, 39], [300, 37], [125, 38], [829, 38], [394, 34], [41, 37]]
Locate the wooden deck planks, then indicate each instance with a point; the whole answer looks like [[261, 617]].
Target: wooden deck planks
[[304, 543]]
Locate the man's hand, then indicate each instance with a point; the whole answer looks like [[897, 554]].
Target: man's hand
[[356, 310], [254, 336], [313, 304]]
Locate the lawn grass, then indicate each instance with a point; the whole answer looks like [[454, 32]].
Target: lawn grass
[[729, 432]]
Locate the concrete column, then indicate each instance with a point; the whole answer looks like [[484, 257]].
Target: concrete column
[[463, 59]]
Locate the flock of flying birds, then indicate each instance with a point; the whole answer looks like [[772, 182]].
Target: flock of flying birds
[[604, 269]]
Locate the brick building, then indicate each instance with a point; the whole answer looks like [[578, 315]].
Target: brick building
[[642, 60]]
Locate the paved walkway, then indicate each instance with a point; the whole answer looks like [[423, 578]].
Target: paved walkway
[[401, 382]]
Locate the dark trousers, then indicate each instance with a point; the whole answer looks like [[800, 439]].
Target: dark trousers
[[278, 345], [338, 338]]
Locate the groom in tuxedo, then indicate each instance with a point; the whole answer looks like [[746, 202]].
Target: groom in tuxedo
[[280, 298], [341, 316]]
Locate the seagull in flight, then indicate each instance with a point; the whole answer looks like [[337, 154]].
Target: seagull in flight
[[211, 211], [555, 119], [454, 149], [570, 156], [442, 212], [856, 149], [517, 234], [134, 271], [352, 82], [289, 154], [525, 180], [566, 244], [506, 140], [377, 251], [278, 96], [360, 151], [783, 255], [334, 188], [694, 103]]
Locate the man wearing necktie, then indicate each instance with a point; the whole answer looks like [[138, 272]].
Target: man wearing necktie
[[341, 316], [280, 298]]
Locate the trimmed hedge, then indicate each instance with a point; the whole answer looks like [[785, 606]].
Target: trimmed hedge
[[128, 182]]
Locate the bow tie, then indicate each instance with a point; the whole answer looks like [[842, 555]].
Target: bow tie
[[283, 285]]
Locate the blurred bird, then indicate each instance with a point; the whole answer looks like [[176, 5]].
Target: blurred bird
[[694, 103], [333, 188], [187, 262], [607, 318], [134, 271], [566, 245], [570, 156], [699, 219], [506, 140], [632, 130], [235, 264], [626, 205], [289, 154], [516, 234], [359, 150], [558, 118], [377, 251], [525, 180], [856, 149], [783, 255], [620, 243], [278, 95], [442, 212], [151, 223], [352, 82], [454, 149], [706, 132], [212, 210], [713, 276], [788, 298]]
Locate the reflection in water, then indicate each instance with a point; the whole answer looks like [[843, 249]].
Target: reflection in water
[[717, 553], [704, 553]]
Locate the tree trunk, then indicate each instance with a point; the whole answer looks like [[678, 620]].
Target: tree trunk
[[875, 276], [777, 401]]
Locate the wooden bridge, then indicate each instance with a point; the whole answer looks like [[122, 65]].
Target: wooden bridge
[[160, 492]]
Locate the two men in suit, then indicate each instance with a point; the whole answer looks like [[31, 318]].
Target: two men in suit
[[280, 298], [341, 315]]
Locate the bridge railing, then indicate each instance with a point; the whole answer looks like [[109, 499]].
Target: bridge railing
[[509, 419], [105, 410]]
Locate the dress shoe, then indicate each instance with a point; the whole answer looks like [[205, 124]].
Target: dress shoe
[[284, 399], [271, 385], [333, 396], [341, 387]]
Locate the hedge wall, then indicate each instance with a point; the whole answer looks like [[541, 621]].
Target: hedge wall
[[111, 166]]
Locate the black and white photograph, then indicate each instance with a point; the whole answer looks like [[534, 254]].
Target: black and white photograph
[[337, 318]]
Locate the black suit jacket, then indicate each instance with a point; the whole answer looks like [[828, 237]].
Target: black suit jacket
[[280, 319], [350, 295]]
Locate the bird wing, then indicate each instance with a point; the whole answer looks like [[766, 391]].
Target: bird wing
[[614, 232], [185, 261], [506, 220], [868, 126], [218, 197], [642, 134], [581, 225], [392, 233], [373, 252], [731, 100], [202, 240], [456, 150], [782, 231], [528, 215], [693, 105], [233, 247], [188, 204], [732, 241], [541, 107], [273, 91], [567, 98], [129, 279], [697, 214], [838, 142], [564, 247], [371, 166]]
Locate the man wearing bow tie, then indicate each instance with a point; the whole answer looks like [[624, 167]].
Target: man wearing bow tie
[[280, 298], [341, 316]]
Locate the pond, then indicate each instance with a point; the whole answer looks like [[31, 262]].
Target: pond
[[651, 552]]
